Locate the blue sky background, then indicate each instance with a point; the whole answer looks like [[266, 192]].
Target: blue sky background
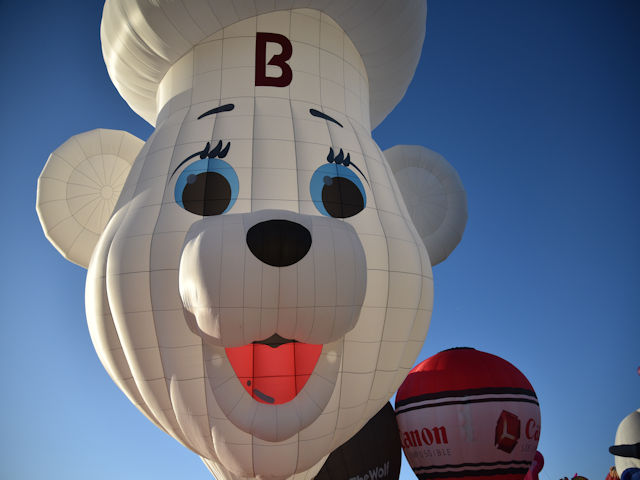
[[536, 104]]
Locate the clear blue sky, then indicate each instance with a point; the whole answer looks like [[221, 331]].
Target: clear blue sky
[[536, 104]]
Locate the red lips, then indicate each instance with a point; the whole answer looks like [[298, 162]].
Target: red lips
[[274, 374]]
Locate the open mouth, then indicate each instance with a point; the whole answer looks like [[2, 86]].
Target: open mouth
[[274, 370]]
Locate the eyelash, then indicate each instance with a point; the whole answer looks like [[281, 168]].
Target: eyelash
[[340, 159], [217, 151]]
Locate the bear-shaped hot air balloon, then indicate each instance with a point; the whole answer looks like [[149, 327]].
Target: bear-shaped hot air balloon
[[259, 272], [463, 413]]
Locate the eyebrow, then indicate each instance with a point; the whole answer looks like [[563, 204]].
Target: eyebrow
[[222, 108], [318, 114]]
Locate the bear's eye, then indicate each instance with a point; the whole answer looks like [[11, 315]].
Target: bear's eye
[[207, 187], [337, 191]]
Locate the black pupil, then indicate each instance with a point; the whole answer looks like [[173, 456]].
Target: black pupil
[[342, 198], [207, 193]]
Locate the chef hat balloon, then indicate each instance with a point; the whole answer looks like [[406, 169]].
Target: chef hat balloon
[[148, 47]]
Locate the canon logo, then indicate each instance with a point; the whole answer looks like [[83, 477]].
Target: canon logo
[[374, 473], [427, 436], [532, 430], [507, 431]]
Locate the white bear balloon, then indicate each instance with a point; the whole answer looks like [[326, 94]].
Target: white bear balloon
[[258, 283]]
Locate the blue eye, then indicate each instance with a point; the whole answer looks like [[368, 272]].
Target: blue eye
[[337, 191], [207, 187]]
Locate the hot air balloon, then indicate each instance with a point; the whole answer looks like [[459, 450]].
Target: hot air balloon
[[536, 467], [627, 444], [263, 282], [373, 453], [464, 413], [630, 474]]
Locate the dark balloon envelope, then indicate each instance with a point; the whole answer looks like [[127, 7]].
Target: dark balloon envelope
[[373, 451]]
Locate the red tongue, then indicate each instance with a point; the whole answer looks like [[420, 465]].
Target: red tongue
[[274, 375]]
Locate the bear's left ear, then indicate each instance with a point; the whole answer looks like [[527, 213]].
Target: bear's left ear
[[434, 196], [79, 187]]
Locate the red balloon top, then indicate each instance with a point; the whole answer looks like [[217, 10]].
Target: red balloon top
[[461, 369]]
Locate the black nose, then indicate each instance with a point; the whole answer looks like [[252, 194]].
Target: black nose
[[279, 243]]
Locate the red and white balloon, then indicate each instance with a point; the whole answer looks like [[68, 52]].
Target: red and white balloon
[[466, 413]]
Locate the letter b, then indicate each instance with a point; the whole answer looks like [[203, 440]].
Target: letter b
[[280, 60]]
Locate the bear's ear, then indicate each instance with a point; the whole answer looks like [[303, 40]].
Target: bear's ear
[[79, 187], [434, 196]]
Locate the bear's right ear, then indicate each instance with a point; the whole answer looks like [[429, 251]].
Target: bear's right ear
[[79, 187], [434, 196]]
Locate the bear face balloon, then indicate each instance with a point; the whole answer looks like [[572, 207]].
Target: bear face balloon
[[258, 283]]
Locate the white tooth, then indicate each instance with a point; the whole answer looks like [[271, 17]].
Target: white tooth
[[332, 354]]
